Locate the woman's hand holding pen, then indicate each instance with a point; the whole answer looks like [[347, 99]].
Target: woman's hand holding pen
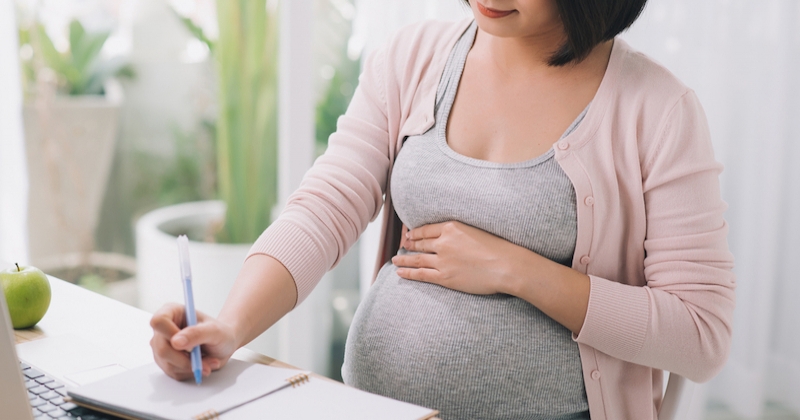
[[171, 342], [264, 292]]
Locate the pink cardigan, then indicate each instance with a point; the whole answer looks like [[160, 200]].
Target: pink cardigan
[[651, 233]]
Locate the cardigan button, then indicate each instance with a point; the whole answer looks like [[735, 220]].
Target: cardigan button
[[585, 260], [563, 145], [595, 374], [589, 201]]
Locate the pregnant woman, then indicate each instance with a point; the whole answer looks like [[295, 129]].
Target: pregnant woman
[[553, 237]]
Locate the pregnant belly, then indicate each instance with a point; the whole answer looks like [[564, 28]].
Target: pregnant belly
[[468, 356]]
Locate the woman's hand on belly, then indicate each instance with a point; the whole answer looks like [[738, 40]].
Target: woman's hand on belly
[[470, 260], [456, 256]]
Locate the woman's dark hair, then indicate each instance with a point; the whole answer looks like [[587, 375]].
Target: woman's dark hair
[[590, 22]]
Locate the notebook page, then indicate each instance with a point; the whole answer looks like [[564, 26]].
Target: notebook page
[[322, 399], [149, 393]]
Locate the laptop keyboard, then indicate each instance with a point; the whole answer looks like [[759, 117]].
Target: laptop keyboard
[[46, 396]]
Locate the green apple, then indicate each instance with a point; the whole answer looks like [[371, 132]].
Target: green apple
[[27, 291]]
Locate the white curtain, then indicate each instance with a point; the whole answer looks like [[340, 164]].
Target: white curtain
[[13, 172], [377, 20], [743, 59]]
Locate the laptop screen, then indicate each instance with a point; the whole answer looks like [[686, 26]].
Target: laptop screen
[[13, 395]]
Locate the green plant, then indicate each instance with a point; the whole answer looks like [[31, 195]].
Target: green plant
[[80, 70], [185, 175], [245, 56], [247, 136]]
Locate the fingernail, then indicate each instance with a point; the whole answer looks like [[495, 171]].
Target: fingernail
[[408, 235], [214, 365], [179, 341]]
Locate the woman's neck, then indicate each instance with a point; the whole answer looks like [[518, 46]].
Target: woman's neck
[[530, 55]]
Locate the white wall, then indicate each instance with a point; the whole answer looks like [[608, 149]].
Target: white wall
[[743, 58], [13, 175]]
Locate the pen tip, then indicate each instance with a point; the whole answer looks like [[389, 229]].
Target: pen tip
[[198, 377]]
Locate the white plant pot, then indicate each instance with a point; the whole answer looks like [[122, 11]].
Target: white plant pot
[[69, 144], [301, 338]]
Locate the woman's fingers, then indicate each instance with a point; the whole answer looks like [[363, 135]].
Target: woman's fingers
[[415, 260], [435, 237], [426, 231], [428, 275], [177, 363], [171, 344], [212, 362], [165, 323], [168, 319], [422, 245], [421, 267], [189, 337], [173, 362]]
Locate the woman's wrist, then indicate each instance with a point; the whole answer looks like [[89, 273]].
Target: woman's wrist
[[235, 328], [559, 291], [517, 270]]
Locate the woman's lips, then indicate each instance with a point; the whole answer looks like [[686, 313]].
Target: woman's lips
[[494, 14]]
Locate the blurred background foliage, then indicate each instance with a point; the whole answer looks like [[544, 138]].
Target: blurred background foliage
[[79, 70], [336, 97], [246, 63], [167, 149], [187, 175]]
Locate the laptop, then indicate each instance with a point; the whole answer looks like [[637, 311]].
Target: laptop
[[27, 393]]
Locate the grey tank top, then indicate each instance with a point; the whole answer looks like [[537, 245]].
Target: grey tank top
[[471, 356]]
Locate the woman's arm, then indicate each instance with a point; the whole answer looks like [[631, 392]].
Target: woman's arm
[[322, 219], [263, 293], [559, 291], [681, 320], [341, 193]]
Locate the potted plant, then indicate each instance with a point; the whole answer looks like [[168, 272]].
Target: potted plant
[[221, 232], [70, 116]]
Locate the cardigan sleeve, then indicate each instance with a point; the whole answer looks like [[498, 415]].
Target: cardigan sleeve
[[680, 320], [341, 193]]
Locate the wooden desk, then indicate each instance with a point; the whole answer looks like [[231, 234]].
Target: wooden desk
[[123, 328]]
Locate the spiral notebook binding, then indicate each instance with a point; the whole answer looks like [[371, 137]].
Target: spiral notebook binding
[[298, 379], [207, 415], [294, 381]]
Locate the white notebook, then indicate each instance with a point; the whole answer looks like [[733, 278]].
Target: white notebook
[[240, 390]]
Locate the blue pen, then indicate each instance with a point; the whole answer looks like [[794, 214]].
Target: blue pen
[[191, 316]]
